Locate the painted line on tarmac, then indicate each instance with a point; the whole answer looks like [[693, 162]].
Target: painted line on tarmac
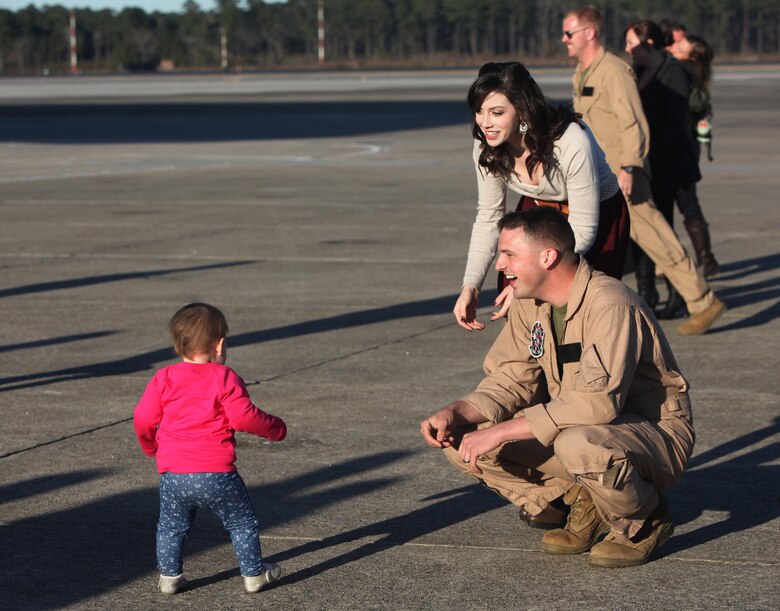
[[428, 81], [492, 548], [535, 551], [213, 161], [725, 562], [122, 171], [290, 538], [358, 352], [195, 257], [365, 150], [66, 437], [288, 201], [355, 160]]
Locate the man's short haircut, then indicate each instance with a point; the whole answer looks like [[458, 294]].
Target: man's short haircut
[[669, 27], [196, 328], [672, 26], [542, 224], [590, 16]]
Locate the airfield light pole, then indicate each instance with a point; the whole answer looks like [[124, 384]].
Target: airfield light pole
[[74, 60], [321, 31], [223, 48]]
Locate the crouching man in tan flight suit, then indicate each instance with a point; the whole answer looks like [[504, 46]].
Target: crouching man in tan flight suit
[[582, 399]]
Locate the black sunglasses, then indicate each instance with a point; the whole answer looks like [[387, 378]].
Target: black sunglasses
[[570, 33]]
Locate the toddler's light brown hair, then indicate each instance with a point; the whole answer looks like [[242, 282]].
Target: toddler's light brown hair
[[195, 329]]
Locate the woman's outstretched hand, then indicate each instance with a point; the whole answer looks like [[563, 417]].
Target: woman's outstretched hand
[[466, 309], [502, 302]]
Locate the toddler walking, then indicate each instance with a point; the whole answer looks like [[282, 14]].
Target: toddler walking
[[187, 418]]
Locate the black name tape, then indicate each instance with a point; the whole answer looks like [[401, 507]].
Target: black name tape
[[569, 353]]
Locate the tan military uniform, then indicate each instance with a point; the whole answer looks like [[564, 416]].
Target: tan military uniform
[[618, 419], [606, 96]]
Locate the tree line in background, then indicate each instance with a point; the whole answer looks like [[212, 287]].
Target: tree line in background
[[358, 32]]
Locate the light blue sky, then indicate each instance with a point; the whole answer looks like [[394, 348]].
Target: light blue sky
[[165, 6]]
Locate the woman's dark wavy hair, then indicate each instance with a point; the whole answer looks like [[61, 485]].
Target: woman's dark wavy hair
[[546, 122], [646, 31], [700, 58]]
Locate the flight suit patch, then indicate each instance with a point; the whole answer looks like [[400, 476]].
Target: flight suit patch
[[536, 347], [587, 92]]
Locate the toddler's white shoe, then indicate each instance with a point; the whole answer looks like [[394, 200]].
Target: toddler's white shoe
[[172, 585], [271, 572]]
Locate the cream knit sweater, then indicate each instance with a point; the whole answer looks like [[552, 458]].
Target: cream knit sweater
[[579, 175]]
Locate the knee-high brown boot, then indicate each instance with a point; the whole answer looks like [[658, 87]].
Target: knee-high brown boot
[[700, 237]]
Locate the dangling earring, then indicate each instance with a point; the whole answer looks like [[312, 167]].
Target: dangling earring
[[523, 127]]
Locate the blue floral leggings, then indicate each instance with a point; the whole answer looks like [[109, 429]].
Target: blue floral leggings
[[181, 494]]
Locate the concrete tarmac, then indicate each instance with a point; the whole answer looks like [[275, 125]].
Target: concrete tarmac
[[331, 226]]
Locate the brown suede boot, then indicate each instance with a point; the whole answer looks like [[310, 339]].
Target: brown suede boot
[[583, 527], [700, 238], [617, 551], [699, 323]]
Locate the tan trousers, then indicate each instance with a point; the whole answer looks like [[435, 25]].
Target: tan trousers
[[655, 236], [623, 465]]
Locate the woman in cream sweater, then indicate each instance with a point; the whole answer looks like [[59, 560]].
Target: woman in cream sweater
[[542, 152]]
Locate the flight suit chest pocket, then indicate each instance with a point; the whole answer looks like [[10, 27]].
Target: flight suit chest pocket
[[587, 99], [570, 371], [592, 376]]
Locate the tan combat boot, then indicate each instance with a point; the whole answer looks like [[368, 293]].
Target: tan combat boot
[[617, 550], [583, 527], [699, 323]]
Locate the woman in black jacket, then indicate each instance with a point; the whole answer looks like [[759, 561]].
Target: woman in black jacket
[[696, 57], [665, 88]]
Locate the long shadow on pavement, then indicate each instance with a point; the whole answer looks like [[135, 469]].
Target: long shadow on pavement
[[743, 295], [218, 122], [53, 341], [104, 544], [748, 294], [737, 270], [70, 283], [745, 488], [462, 504], [147, 360], [40, 485]]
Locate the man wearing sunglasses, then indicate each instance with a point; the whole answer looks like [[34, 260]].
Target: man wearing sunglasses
[[606, 97]]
